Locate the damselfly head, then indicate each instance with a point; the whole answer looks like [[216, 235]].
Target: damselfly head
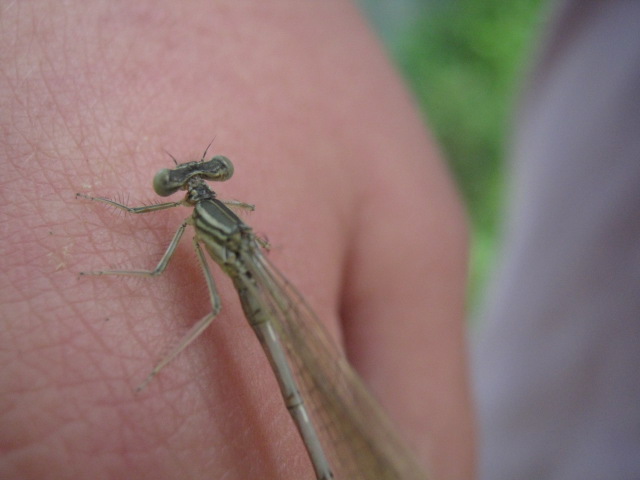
[[168, 181]]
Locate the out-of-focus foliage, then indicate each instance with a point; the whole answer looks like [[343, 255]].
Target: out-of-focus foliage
[[464, 61]]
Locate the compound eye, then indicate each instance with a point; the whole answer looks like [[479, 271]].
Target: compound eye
[[218, 169], [163, 185]]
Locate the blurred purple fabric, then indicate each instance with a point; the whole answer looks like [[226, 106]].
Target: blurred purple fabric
[[557, 355]]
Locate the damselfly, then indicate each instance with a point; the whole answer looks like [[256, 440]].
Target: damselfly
[[344, 431]]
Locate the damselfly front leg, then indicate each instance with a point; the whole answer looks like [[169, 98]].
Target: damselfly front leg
[[214, 298]]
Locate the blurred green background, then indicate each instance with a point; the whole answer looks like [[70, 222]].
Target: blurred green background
[[465, 61]]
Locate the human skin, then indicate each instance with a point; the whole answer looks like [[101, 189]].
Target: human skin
[[350, 192]]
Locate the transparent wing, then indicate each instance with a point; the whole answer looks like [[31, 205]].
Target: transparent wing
[[356, 434]]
